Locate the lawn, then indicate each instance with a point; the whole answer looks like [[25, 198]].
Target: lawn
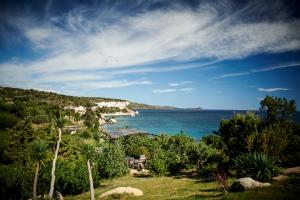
[[160, 188]]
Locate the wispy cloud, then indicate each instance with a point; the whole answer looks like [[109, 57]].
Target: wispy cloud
[[180, 83], [258, 70], [115, 44], [272, 89], [168, 90], [187, 89], [233, 75], [275, 67], [164, 90], [113, 84]]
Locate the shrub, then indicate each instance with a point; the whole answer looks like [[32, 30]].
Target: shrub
[[272, 140], [179, 153], [112, 161], [235, 132], [256, 165], [72, 177], [16, 181], [7, 120], [158, 163]]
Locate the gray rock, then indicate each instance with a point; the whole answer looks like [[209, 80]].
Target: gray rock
[[246, 183]]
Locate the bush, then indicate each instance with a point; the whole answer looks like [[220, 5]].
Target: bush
[[7, 120], [112, 161], [72, 177], [179, 153], [235, 132], [16, 181], [158, 163], [272, 140], [256, 165]]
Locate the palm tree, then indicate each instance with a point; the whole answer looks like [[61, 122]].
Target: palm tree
[[88, 150], [39, 153], [60, 124]]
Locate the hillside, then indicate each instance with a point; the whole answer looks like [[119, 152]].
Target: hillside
[[17, 94], [13, 94], [138, 106]]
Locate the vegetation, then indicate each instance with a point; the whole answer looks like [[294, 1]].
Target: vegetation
[[88, 149], [111, 162], [256, 165], [34, 125], [180, 188], [39, 154]]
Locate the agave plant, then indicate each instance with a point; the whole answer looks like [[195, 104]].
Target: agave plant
[[256, 165]]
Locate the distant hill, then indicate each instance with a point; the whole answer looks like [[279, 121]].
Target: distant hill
[[140, 106], [14, 94]]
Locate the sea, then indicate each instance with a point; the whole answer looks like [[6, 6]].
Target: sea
[[194, 123]]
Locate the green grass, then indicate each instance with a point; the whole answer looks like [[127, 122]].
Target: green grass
[[160, 188], [288, 189]]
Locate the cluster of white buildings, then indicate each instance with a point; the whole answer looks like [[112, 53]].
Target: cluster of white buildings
[[78, 109], [116, 104]]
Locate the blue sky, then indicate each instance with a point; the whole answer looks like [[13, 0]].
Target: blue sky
[[212, 54]]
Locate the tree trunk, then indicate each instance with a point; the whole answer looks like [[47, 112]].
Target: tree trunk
[[35, 180], [92, 196], [54, 165]]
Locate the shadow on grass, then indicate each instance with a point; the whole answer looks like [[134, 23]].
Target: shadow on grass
[[205, 180], [143, 176], [204, 196], [209, 190]]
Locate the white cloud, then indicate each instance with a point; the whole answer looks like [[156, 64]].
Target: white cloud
[[112, 84], [168, 90], [275, 67], [180, 83], [116, 46], [186, 89], [272, 89], [263, 69], [233, 75], [164, 90]]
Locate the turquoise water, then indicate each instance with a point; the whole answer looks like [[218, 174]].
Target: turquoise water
[[195, 123]]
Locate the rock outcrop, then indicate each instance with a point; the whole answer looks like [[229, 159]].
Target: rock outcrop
[[123, 190], [246, 183]]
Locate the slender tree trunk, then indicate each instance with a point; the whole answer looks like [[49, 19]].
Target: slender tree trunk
[[92, 196], [198, 165], [54, 165], [35, 180]]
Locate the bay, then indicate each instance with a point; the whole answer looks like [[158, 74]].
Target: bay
[[194, 123]]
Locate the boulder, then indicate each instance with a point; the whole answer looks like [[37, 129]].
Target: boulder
[[246, 183], [133, 171], [123, 190]]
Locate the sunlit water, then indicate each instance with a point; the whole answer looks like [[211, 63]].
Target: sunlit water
[[195, 123]]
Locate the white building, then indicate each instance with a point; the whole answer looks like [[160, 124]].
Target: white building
[[78, 109], [117, 104]]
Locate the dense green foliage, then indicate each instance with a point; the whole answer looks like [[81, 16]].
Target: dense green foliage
[[111, 162], [158, 164], [27, 116], [277, 109], [256, 165], [237, 132]]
